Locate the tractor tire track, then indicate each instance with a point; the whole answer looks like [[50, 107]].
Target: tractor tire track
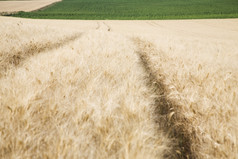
[[108, 27], [16, 57], [151, 24], [98, 26], [167, 114]]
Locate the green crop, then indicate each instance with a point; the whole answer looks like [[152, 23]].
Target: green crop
[[136, 9]]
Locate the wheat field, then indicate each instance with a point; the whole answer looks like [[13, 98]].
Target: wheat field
[[118, 89], [12, 6]]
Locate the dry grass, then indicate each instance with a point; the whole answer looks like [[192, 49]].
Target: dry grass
[[91, 93]]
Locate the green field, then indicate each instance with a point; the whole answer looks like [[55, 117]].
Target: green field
[[137, 9]]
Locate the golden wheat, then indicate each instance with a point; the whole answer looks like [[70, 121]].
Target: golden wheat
[[85, 100], [95, 90], [204, 87]]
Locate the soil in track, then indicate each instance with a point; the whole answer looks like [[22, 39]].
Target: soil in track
[[167, 114]]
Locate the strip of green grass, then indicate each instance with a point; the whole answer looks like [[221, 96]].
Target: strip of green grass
[[137, 9]]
